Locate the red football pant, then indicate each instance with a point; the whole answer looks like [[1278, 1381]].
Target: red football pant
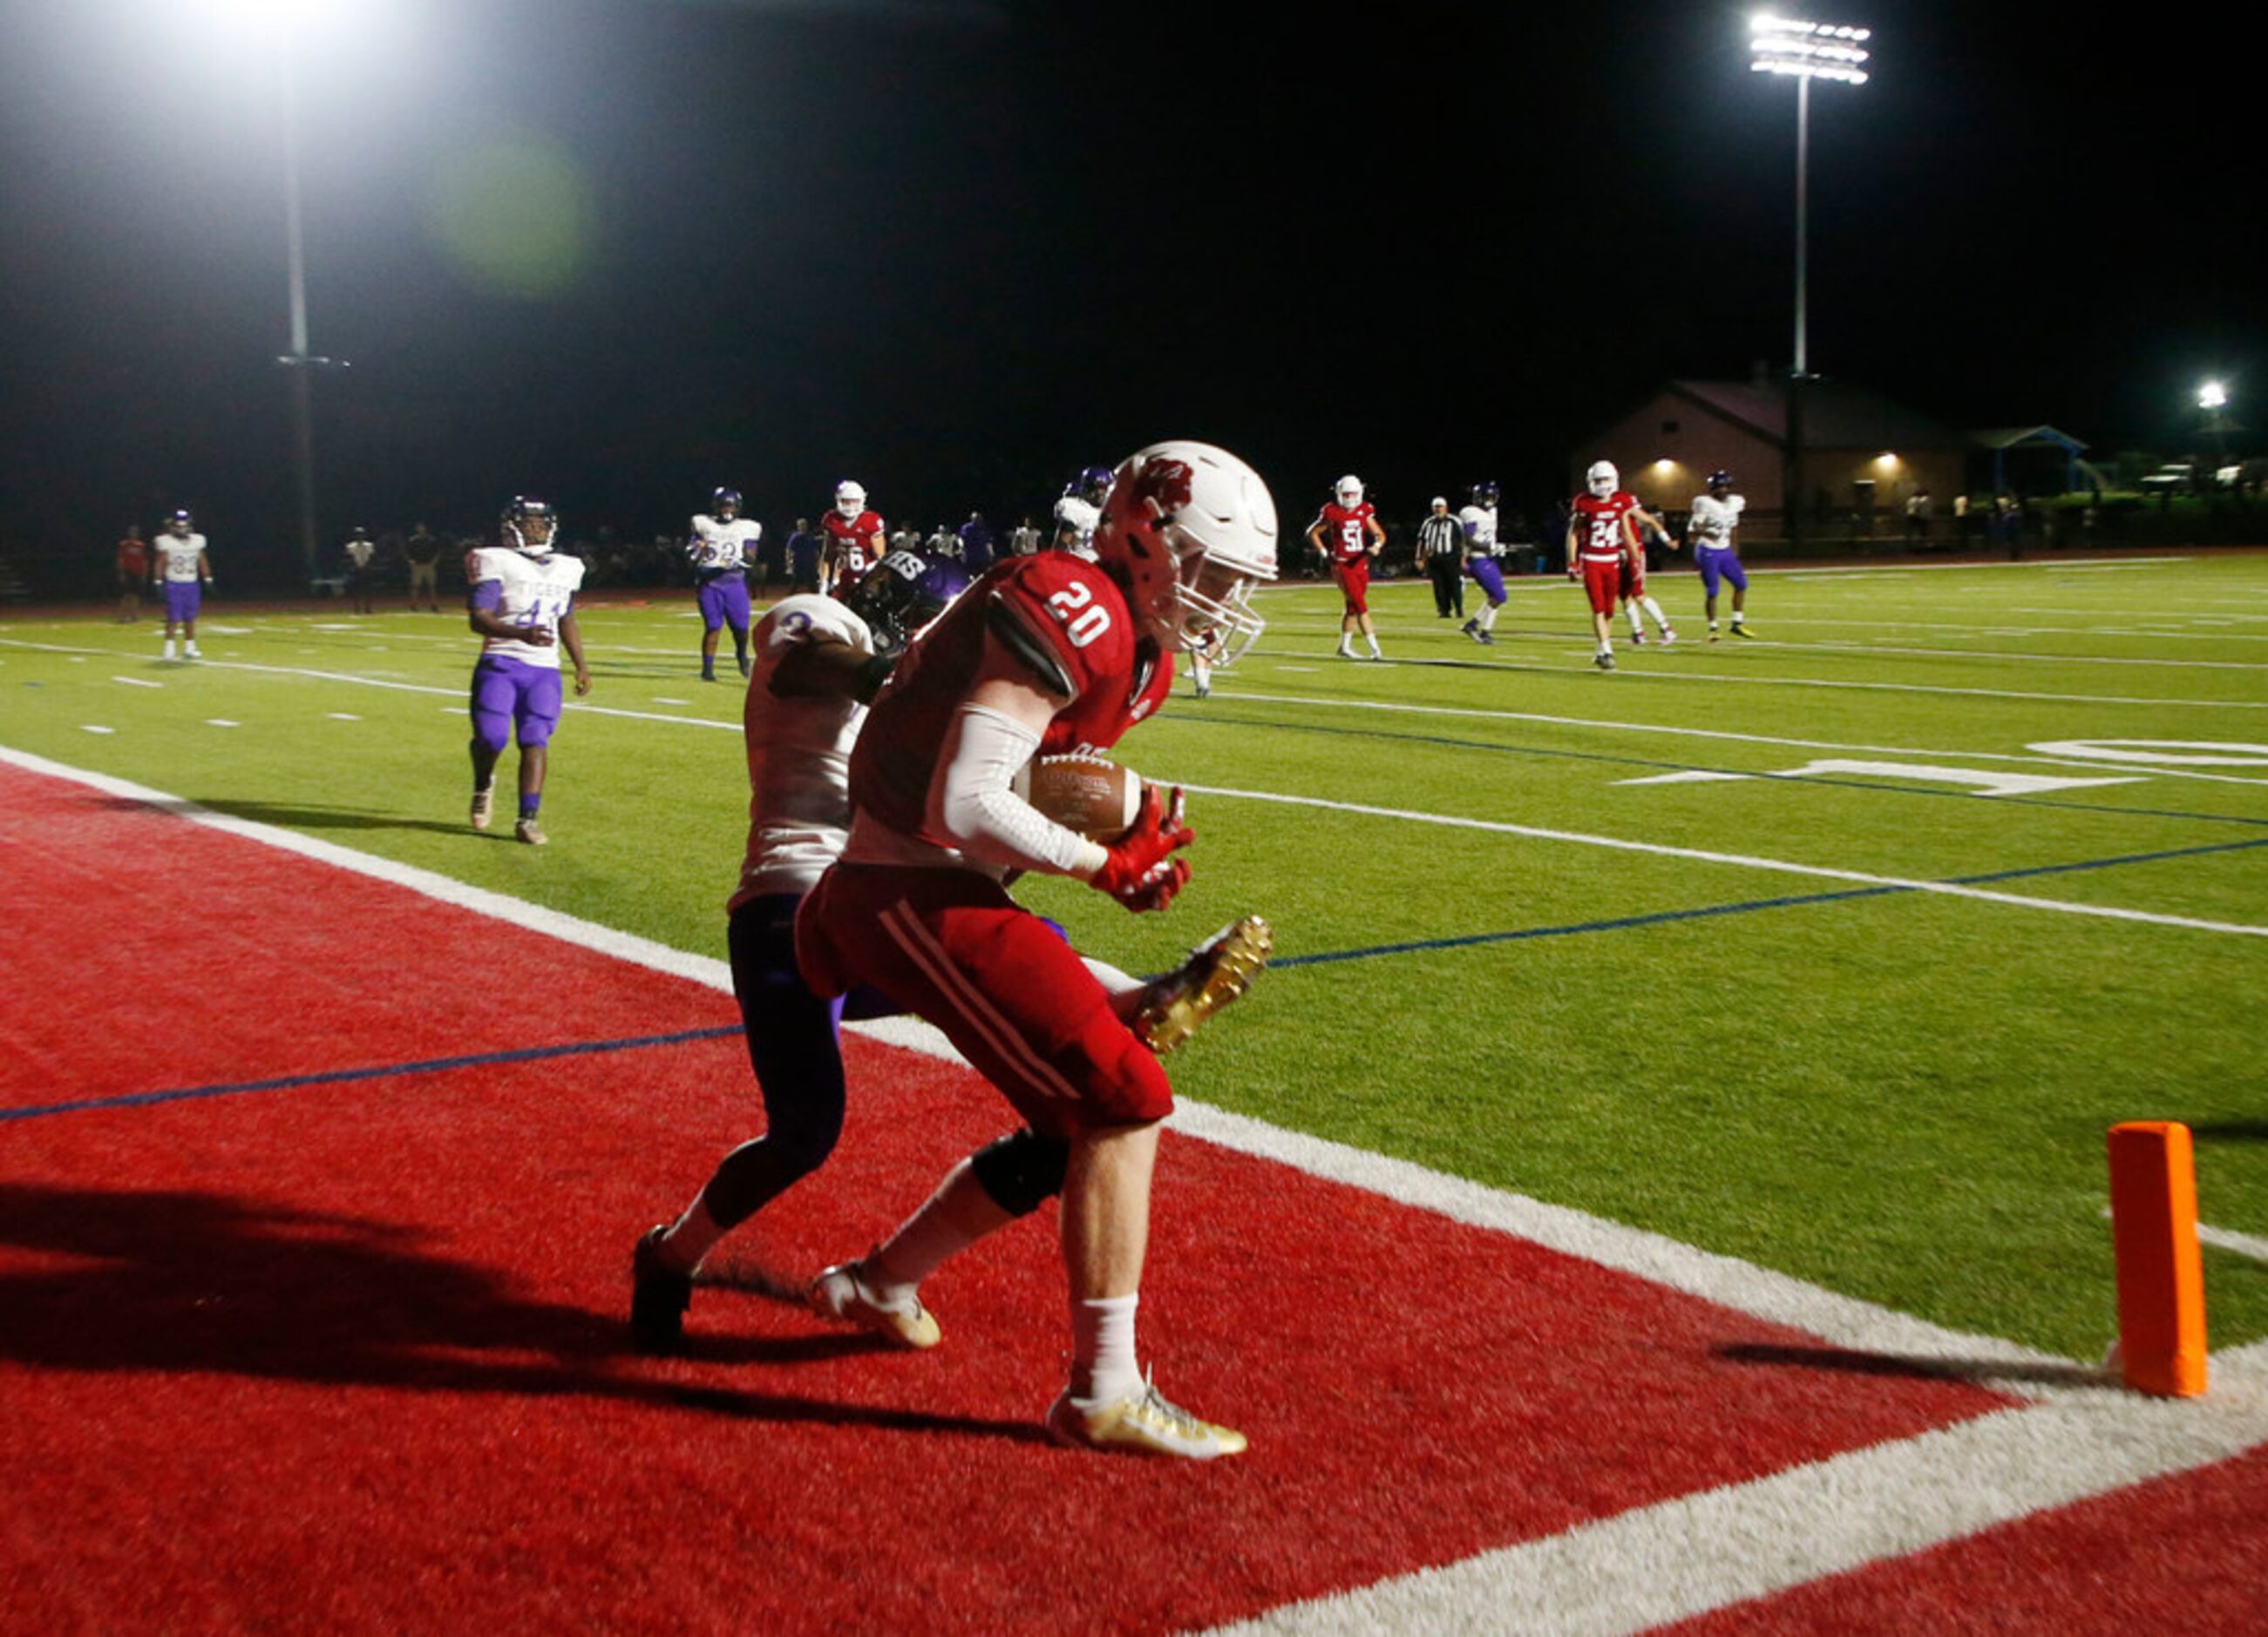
[[1354, 584], [1601, 581], [1017, 1000]]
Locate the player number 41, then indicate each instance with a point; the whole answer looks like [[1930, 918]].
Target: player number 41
[[1082, 618]]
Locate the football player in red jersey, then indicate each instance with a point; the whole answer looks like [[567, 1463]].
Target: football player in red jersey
[[1047, 654], [854, 540], [1348, 536], [1602, 534]]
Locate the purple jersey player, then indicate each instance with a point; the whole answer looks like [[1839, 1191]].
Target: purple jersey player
[[522, 602]]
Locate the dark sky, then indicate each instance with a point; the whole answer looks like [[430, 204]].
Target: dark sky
[[958, 250]]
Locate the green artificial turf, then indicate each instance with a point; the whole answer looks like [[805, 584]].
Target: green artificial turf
[[1899, 1095]]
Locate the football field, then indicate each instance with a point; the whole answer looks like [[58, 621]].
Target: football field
[[1818, 962]]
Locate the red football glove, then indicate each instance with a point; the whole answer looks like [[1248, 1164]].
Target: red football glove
[[1139, 869]]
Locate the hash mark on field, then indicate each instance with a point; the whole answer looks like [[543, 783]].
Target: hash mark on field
[[343, 716], [221, 721], [137, 681], [89, 727]]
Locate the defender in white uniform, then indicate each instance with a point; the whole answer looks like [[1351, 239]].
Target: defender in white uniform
[[1080, 510], [722, 545], [1479, 521], [1715, 516], [521, 601], [184, 571]]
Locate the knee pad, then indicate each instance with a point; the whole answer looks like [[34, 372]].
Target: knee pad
[[1021, 1169]]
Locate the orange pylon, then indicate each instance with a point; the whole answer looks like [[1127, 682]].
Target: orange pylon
[[2161, 1271]]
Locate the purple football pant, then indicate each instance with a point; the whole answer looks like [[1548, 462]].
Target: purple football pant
[[1720, 562], [182, 599], [1488, 577], [724, 601], [509, 695]]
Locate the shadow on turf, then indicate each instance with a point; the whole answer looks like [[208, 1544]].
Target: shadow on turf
[[196, 1283], [309, 817], [2048, 1373], [2231, 1131]]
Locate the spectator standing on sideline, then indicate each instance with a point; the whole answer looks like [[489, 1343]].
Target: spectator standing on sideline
[[803, 549], [133, 570], [358, 551], [1961, 523], [976, 543], [422, 552], [1440, 554], [1919, 510], [1026, 539]]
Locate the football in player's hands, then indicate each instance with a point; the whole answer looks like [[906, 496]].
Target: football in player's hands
[[1082, 792]]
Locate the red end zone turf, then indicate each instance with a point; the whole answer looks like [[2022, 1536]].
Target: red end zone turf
[[351, 1355]]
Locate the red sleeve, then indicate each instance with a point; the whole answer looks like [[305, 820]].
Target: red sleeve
[[1071, 616]]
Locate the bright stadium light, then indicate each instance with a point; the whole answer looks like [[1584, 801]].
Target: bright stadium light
[[1805, 52], [2213, 395]]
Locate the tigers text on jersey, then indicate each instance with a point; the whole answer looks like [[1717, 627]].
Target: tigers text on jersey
[[720, 547], [1479, 523], [1712, 520], [1606, 525], [798, 751], [534, 592], [1346, 534], [1069, 619], [177, 557]]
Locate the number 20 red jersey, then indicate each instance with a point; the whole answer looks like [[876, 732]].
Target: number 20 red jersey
[[1069, 621]]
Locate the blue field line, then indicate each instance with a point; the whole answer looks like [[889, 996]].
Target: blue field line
[[1212, 719], [1624, 922], [429, 1065]]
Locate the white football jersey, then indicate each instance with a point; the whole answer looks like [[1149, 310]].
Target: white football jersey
[[536, 593], [1479, 523], [724, 545], [1712, 520], [177, 557], [1082, 515], [798, 752]]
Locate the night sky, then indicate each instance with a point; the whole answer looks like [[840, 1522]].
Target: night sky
[[618, 254]]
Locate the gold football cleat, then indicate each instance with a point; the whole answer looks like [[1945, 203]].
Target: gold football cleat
[[1217, 972], [1147, 1423], [841, 1292]]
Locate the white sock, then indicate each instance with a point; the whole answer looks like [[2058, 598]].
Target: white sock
[[1102, 1349], [1374, 654], [1606, 647], [1638, 625], [1738, 618], [691, 1237], [1654, 608], [169, 647], [1712, 625], [1488, 617]]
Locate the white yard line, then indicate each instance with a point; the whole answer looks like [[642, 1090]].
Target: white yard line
[[1679, 1558], [1739, 860], [1601, 723]]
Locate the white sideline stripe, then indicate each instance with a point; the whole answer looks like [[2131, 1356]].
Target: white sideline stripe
[[2229, 1239], [1683, 1558], [1687, 732], [1691, 775], [2061, 906], [1777, 1298]]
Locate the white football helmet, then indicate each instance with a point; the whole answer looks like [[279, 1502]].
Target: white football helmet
[[1190, 529], [1349, 491], [850, 501], [1602, 479]]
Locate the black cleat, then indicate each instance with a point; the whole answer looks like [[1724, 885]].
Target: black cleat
[[660, 1295], [744, 665], [1742, 631]]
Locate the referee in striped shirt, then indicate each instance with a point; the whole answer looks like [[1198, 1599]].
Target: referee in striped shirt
[[1441, 554]]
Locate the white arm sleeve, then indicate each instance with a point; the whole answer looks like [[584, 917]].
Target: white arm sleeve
[[970, 800]]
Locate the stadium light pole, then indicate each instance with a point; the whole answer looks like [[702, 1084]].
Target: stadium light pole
[[280, 23], [1804, 52]]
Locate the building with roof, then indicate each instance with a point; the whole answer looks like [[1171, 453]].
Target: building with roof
[[1863, 456]]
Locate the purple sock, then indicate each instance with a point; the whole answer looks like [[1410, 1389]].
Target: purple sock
[[528, 804]]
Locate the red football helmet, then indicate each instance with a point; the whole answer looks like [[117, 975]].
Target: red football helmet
[[1190, 530]]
